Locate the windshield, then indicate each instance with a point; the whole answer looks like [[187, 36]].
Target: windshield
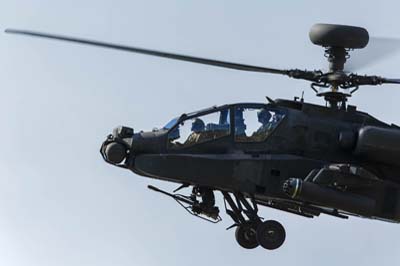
[[255, 124], [171, 123], [200, 128]]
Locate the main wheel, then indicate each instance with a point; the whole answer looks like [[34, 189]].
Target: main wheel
[[270, 234], [246, 235]]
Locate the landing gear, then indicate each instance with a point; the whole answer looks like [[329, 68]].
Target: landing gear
[[252, 232], [270, 234], [246, 235]]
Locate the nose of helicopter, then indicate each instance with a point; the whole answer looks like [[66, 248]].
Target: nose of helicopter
[[116, 147], [115, 152]]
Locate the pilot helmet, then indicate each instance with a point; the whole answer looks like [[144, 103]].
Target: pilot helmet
[[263, 116], [198, 125]]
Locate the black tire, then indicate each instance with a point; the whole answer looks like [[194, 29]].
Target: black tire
[[246, 236], [270, 234]]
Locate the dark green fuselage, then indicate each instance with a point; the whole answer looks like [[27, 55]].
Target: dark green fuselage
[[309, 137]]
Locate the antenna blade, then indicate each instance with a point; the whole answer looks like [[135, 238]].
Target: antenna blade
[[180, 57]]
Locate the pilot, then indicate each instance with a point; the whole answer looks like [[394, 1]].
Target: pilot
[[264, 118], [198, 128]]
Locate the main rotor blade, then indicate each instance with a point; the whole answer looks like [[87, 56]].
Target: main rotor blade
[[391, 81], [357, 80], [377, 50], [152, 52]]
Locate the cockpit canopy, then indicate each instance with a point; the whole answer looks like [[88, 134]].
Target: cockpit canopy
[[247, 122]]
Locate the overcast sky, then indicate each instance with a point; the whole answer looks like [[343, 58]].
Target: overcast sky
[[60, 204]]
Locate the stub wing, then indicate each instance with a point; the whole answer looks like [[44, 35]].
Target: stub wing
[[345, 188]]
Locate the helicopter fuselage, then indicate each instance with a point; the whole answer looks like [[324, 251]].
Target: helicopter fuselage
[[307, 139], [288, 155]]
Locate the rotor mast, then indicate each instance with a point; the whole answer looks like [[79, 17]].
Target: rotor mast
[[337, 41], [337, 57]]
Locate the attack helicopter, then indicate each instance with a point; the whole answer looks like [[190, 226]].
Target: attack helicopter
[[288, 155]]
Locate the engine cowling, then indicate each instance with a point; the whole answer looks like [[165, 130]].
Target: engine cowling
[[379, 144]]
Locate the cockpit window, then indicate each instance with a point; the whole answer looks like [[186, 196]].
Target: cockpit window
[[255, 124], [200, 129], [171, 123]]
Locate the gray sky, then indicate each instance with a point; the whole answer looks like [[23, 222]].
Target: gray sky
[[60, 204]]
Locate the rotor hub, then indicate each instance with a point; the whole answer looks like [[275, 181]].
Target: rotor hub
[[338, 40]]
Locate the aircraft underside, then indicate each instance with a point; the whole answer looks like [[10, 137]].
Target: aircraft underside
[[337, 190]]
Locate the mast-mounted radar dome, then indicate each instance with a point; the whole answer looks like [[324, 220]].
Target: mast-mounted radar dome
[[329, 35]]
